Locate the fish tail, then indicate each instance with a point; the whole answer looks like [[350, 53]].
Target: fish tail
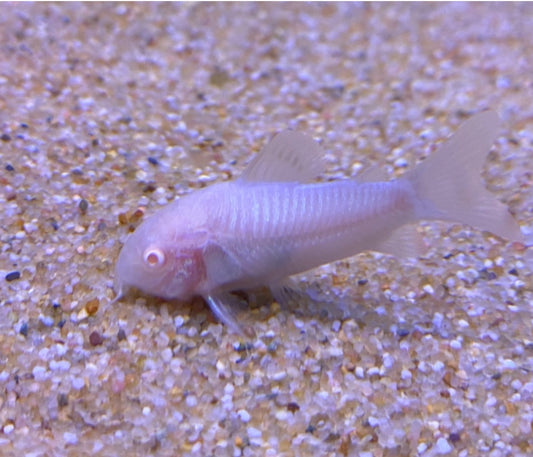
[[449, 187]]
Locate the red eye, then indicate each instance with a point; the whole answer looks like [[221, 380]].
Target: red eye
[[154, 257]]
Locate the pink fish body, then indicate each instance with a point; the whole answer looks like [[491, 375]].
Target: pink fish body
[[274, 222]]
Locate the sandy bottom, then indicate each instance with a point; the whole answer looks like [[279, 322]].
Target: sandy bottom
[[110, 111]]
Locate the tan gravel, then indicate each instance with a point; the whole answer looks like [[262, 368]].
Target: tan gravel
[[109, 111]]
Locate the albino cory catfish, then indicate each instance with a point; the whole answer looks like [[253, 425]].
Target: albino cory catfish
[[274, 221]]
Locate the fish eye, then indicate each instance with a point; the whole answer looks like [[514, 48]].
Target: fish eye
[[154, 257]]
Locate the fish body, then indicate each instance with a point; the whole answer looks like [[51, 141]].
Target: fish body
[[269, 231], [274, 222]]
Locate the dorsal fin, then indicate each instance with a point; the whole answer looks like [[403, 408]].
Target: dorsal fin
[[289, 157]]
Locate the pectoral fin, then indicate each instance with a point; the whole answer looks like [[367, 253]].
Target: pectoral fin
[[222, 268], [223, 305]]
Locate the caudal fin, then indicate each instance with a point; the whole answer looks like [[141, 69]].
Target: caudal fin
[[449, 182]]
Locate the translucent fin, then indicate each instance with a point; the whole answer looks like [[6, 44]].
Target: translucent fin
[[374, 173], [286, 292], [404, 242], [310, 301], [449, 184], [289, 157], [223, 304]]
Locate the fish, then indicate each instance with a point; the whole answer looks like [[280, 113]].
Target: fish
[[276, 220]]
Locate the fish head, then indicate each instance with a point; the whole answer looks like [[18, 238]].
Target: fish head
[[162, 258]]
